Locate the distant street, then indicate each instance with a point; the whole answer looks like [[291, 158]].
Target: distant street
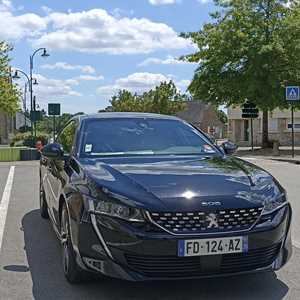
[[30, 260]]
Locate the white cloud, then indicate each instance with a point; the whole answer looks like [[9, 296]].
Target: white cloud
[[88, 78], [6, 5], [204, 1], [162, 2], [92, 31], [288, 4], [96, 31], [138, 83], [49, 89], [183, 84], [119, 12], [47, 10], [66, 66], [17, 27], [170, 60]]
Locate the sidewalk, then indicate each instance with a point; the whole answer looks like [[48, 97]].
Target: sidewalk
[[285, 154]]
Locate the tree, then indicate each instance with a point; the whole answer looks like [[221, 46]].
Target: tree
[[249, 51], [9, 94], [222, 116], [46, 124], [163, 99]]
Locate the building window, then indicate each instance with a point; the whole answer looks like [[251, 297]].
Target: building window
[[296, 124], [273, 125]]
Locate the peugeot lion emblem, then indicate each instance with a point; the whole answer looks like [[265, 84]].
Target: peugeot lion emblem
[[212, 219]]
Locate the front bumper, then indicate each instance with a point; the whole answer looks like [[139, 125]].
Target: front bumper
[[126, 252]]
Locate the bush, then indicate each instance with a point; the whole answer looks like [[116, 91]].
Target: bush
[[26, 139]]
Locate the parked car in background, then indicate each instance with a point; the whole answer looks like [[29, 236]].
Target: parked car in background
[[149, 197]]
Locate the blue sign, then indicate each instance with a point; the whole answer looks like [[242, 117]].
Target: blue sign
[[292, 93]]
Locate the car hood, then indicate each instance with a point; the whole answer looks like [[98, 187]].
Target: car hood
[[180, 183]]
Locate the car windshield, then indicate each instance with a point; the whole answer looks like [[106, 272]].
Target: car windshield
[[142, 136]]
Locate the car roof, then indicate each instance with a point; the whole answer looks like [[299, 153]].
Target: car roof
[[119, 115]]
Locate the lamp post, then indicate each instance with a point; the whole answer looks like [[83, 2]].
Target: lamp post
[[28, 83], [25, 101], [44, 54], [24, 105]]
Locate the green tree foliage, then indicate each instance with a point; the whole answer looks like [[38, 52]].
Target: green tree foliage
[[46, 124], [164, 99], [9, 94], [249, 51], [222, 116]]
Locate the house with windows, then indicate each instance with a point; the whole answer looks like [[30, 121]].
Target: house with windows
[[280, 127], [203, 116]]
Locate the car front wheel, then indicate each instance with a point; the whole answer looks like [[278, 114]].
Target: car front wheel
[[70, 267], [43, 204]]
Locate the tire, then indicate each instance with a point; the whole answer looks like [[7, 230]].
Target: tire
[[43, 204], [71, 270]]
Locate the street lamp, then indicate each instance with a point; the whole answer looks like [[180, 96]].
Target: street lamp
[[44, 54], [17, 76]]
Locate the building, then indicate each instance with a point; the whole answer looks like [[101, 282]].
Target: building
[[204, 117], [280, 127], [21, 120], [6, 128], [8, 125]]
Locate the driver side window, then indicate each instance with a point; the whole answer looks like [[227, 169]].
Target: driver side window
[[67, 136]]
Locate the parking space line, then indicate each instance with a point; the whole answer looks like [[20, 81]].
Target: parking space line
[[296, 244], [5, 201]]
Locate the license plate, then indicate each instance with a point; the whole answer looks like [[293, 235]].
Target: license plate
[[213, 246]]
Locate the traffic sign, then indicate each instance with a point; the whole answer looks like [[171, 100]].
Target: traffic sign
[[54, 109], [292, 93], [35, 115], [249, 111]]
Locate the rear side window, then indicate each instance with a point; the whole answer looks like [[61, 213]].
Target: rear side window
[[67, 136]]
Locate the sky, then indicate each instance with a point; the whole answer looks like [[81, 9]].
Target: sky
[[99, 47]]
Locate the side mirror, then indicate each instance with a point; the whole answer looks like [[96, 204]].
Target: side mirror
[[229, 147], [54, 151]]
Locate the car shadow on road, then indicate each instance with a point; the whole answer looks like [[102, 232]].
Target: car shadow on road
[[44, 261]]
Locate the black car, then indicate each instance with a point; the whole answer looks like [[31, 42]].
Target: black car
[[149, 197]]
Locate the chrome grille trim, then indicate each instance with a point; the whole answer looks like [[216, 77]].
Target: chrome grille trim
[[194, 223]]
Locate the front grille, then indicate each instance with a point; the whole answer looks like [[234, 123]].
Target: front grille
[[197, 222], [173, 266]]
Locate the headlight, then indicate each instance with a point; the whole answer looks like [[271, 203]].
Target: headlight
[[271, 205], [116, 210]]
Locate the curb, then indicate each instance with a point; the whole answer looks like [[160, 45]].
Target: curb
[[291, 161]]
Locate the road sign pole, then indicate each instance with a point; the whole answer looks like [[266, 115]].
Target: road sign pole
[[54, 129], [293, 133], [251, 124], [292, 94]]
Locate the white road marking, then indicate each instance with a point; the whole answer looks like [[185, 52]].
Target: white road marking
[[296, 244], [5, 201]]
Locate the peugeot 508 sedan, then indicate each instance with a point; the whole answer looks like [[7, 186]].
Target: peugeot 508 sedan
[[149, 197]]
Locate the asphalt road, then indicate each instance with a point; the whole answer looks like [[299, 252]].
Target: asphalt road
[[30, 266]]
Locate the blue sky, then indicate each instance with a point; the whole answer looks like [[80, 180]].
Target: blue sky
[[98, 47]]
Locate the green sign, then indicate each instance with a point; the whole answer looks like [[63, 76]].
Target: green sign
[[54, 109], [35, 115], [249, 111]]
